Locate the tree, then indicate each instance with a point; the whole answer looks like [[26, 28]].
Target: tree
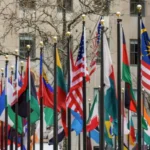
[[47, 18]]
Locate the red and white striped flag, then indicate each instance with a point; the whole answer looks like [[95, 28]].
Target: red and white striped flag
[[95, 47], [79, 70]]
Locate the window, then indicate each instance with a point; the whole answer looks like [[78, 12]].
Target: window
[[30, 4], [24, 40], [69, 5], [98, 3], [133, 7], [133, 52]]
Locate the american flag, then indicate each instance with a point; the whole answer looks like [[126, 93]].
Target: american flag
[[145, 61], [79, 70], [95, 47]]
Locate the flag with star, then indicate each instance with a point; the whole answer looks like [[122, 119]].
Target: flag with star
[[145, 61]]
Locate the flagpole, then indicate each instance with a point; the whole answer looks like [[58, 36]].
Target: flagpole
[[16, 105], [89, 115], [123, 90], [84, 94], [129, 128], [28, 100], [41, 100], [143, 91], [6, 107], [2, 124], [120, 142], [139, 7], [22, 119], [69, 110], [101, 94], [55, 99], [11, 136], [79, 145]]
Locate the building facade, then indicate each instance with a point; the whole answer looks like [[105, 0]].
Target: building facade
[[28, 22]]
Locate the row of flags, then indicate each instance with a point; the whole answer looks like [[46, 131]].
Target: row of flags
[[24, 91]]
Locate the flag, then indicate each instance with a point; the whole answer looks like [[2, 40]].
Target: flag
[[147, 136], [125, 147], [74, 97], [45, 89], [108, 130], [60, 136], [77, 123], [95, 47], [132, 138], [17, 86], [23, 98], [61, 85], [49, 116], [11, 114], [146, 116], [94, 134], [126, 129], [47, 93], [93, 120], [126, 76], [62, 91], [110, 101], [145, 59]]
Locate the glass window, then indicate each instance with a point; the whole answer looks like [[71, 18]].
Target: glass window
[[30, 4], [133, 52], [133, 7], [69, 5], [24, 40]]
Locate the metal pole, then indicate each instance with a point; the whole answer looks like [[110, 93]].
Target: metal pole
[[22, 119], [2, 124], [28, 102], [120, 137], [139, 82], [79, 142], [16, 105], [34, 140], [55, 98], [115, 142], [89, 114], [84, 97], [129, 129], [11, 136], [41, 101], [122, 126], [6, 108], [143, 111], [69, 110], [101, 94]]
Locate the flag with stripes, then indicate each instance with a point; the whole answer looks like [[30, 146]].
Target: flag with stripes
[[79, 70], [95, 47], [145, 61]]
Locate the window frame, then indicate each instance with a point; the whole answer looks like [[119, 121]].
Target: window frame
[[59, 9], [141, 2], [27, 5], [133, 52], [23, 48]]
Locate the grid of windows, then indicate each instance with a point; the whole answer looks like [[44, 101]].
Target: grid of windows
[[133, 52], [133, 7], [69, 5], [24, 40]]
